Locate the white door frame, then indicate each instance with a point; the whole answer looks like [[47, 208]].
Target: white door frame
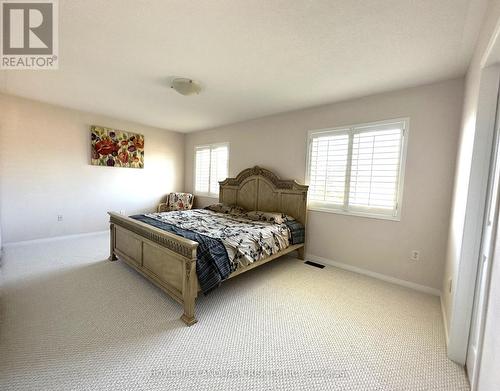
[[490, 226], [464, 282]]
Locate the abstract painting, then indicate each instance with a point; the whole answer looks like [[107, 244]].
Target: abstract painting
[[116, 148]]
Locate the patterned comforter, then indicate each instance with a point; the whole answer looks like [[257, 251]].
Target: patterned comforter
[[244, 240]]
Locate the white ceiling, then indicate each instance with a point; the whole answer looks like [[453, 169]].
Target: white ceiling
[[253, 57]]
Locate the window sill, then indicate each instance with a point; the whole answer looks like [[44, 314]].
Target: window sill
[[207, 195], [316, 208]]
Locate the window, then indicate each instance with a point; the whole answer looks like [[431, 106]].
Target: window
[[358, 169], [211, 163]]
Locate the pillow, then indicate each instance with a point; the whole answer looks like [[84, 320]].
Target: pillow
[[271, 217], [227, 209]]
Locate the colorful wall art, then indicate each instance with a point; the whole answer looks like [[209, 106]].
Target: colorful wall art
[[116, 148]]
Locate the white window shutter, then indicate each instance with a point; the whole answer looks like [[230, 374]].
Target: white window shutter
[[358, 170], [202, 170], [327, 168], [218, 167], [211, 166], [375, 168]]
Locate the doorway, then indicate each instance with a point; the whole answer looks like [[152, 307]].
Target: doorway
[[489, 230]]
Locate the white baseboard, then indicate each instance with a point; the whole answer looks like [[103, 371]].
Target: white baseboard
[[54, 238], [379, 276], [445, 320]]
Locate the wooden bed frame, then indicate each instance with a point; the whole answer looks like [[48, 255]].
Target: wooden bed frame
[[169, 260]]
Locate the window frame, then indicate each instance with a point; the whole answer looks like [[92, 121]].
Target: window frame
[[357, 210], [210, 146]]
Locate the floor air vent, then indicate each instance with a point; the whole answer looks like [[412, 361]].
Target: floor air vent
[[318, 265]]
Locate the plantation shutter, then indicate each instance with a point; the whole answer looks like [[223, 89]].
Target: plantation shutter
[[328, 164], [375, 168], [202, 170], [218, 167], [211, 162], [357, 169]]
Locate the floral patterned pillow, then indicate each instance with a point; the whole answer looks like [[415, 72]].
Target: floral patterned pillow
[[271, 217], [180, 201], [227, 209]]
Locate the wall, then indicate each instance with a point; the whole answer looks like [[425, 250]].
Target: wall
[[45, 171], [462, 250], [279, 143]]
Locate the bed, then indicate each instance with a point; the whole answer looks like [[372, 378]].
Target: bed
[[169, 259]]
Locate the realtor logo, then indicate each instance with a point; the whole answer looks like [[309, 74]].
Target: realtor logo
[[29, 34]]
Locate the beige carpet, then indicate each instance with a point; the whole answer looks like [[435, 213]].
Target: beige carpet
[[72, 321]]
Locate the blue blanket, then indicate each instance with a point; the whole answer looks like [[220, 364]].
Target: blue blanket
[[212, 263], [297, 232]]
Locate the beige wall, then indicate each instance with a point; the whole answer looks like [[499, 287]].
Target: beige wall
[[45, 171], [279, 143]]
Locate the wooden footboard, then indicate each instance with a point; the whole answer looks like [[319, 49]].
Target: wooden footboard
[[166, 259]]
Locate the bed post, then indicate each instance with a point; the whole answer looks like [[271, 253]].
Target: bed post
[[112, 256], [189, 290], [301, 253]]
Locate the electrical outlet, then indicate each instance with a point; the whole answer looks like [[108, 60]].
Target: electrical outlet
[[415, 255], [59, 217]]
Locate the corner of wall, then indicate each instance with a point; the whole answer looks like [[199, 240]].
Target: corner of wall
[[445, 318]]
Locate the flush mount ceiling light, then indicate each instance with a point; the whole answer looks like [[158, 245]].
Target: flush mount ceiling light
[[185, 86]]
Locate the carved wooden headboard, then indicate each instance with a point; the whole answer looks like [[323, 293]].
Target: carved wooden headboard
[[260, 189]]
